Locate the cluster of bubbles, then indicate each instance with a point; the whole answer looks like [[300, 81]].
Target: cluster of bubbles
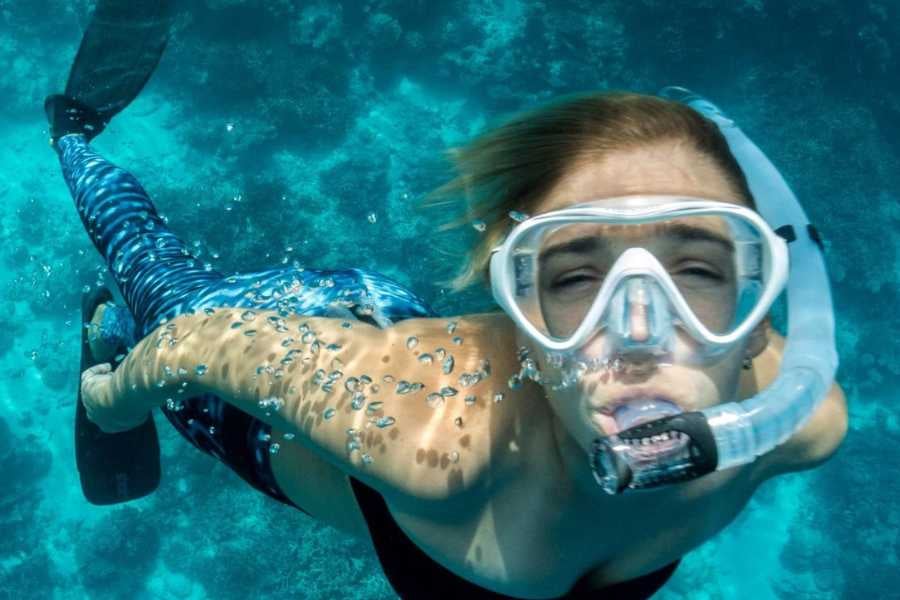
[[354, 444], [273, 403], [166, 337], [571, 369], [448, 363], [361, 388]]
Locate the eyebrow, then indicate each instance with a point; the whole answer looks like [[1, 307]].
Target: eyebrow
[[679, 232]]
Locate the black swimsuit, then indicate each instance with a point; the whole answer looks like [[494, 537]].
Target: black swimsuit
[[413, 574]]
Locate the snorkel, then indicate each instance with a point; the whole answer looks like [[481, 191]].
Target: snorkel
[[736, 433]]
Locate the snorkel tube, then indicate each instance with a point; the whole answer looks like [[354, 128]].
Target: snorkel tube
[[736, 433]]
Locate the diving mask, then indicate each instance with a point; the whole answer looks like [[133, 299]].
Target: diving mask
[[616, 276]]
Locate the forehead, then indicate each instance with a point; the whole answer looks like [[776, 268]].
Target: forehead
[[708, 229], [670, 168]]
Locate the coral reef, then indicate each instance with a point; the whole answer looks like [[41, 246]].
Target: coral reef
[[279, 131]]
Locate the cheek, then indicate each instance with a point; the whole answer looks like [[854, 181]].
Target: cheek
[[725, 375]]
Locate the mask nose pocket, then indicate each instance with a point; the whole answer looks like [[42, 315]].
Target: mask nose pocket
[[638, 317]]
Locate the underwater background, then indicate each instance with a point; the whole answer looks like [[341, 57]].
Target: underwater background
[[311, 131]]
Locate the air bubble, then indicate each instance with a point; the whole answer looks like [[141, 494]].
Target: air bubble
[[469, 379], [272, 403], [411, 342], [201, 369], [529, 369], [434, 399], [385, 422], [515, 382]]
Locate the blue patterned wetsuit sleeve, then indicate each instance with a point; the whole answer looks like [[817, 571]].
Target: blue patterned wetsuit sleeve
[[159, 279], [152, 267]]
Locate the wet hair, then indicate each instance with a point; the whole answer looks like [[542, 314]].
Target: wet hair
[[514, 165]]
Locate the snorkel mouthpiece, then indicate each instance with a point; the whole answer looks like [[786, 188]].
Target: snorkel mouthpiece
[[661, 452]]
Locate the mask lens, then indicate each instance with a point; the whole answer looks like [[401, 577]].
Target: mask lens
[[715, 263]]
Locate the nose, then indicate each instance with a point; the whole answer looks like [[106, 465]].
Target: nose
[[638, 311]]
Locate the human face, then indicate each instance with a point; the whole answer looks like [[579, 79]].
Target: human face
[[670, 168]]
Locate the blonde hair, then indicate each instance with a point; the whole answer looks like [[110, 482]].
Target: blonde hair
[[513, 166]]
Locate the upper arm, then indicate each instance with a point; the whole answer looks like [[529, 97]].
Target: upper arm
[[820, 436], [341, 391]]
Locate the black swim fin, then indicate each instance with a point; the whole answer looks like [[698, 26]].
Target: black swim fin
[[113, 467], [118, 53]]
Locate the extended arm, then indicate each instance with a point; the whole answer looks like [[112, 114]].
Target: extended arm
[[366, 399]]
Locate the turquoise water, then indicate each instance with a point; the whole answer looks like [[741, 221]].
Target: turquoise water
[[275, 125]]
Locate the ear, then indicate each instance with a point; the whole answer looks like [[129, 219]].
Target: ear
[[759, 338]]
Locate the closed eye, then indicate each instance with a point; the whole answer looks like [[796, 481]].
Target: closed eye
[[572, 281], [700, 272]]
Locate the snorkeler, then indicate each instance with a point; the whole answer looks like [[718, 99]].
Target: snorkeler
[[469, 449]]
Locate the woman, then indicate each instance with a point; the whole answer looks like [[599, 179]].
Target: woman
[[466, 486]]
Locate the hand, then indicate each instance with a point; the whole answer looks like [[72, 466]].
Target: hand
[[100, 403]]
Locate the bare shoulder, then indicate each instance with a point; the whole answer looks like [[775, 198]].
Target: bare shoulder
[[818, 439], [411, 410]]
